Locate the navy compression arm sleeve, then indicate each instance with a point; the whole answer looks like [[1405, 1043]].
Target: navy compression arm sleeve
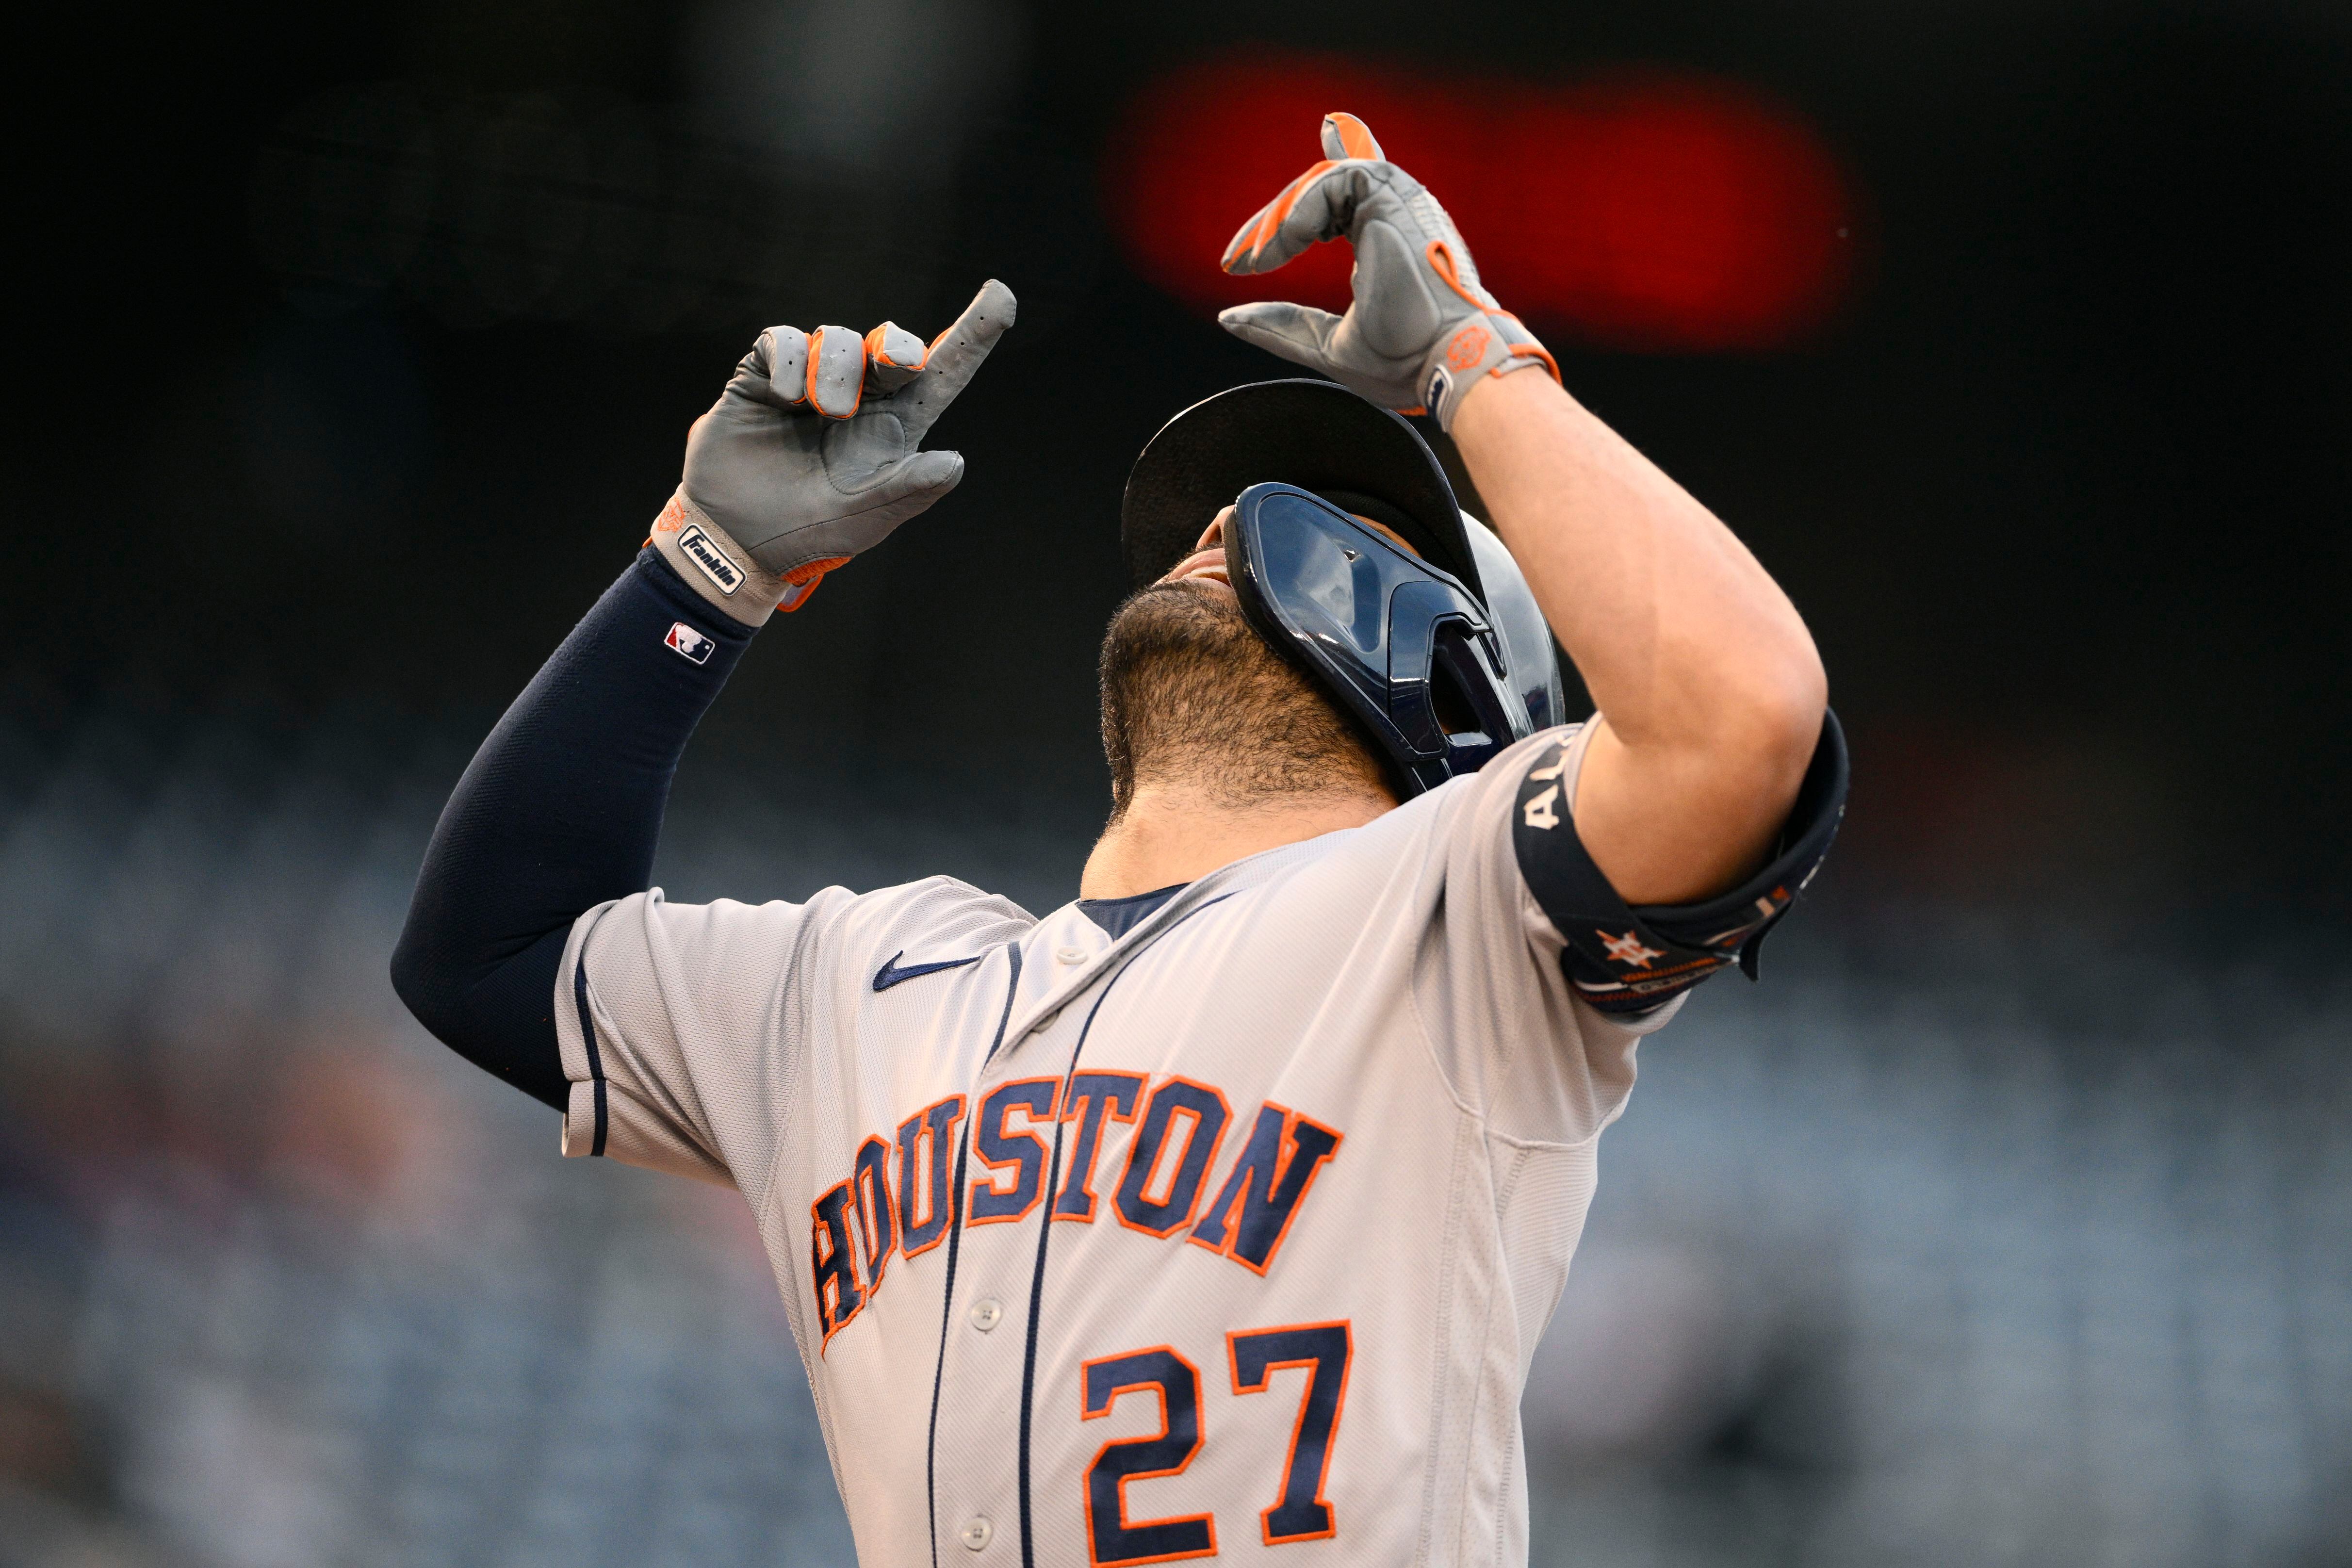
[[558, 812]]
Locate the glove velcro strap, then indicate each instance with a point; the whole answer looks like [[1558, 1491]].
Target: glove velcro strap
[[1477, 347], [719, 569], [1524, 347]]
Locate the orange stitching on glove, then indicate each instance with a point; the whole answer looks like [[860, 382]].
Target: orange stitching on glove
[[805, 578], [1354, 135], [672, 518], [875, 352], [1441, 261], [1289, 197], [1252, 238], [857, 384], [1468, 347], [1270, 219], [808, 352], [1537, 351]]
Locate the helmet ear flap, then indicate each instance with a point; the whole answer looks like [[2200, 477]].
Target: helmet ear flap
[[1532, 665], [1403, 647]]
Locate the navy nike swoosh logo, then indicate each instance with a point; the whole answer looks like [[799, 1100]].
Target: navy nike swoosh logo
[[890, 973]]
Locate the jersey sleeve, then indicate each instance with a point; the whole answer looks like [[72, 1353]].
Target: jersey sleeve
[[1623, 961], [688, 1030], [1535, 983], [667, 1016]]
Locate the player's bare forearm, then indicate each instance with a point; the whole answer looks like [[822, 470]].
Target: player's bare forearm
[[1711, 688]]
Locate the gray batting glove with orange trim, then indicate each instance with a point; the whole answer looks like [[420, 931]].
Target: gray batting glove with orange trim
[[1423, 329], [812, 455]]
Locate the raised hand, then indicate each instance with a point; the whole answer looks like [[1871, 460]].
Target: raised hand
[[813, 453], [1423, 328]]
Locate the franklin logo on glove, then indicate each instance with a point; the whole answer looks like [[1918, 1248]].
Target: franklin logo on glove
[[697, 546]]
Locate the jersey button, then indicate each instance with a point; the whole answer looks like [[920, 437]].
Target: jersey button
[[986, 1313], [975, 1532], [1070, 954]]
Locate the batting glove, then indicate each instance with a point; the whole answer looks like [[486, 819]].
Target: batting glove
[[812, 455], [1423, 329]]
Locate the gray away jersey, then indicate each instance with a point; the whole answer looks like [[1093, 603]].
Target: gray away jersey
[[1230, 1238]]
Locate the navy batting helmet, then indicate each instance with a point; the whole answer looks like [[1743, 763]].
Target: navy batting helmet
[[1440, 657]]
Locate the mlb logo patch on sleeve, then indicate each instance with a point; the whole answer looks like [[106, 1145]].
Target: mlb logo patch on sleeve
[[689, 642]]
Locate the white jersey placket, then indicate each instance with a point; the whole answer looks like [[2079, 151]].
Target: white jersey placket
[[978, 1447]]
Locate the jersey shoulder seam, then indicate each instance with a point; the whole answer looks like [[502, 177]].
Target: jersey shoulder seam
[[1434, 846], [810, 936], [1429, 1050], [940, 879]]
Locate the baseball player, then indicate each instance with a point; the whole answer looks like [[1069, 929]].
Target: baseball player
[[1217, 1213]]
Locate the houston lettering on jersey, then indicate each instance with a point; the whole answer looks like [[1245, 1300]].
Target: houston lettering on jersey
[[1181, 1127]]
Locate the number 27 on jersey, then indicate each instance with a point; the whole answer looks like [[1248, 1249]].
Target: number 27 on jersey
[[1299, 1510]]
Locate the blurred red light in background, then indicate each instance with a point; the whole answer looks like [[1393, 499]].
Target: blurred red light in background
[[1657, 211]]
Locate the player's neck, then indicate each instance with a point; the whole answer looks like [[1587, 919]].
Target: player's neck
[[1173, 833]]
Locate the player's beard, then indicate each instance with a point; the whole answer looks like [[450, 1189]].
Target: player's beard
[[1193, 696]]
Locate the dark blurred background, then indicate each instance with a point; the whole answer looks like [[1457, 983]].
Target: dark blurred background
[[2007, 1221]]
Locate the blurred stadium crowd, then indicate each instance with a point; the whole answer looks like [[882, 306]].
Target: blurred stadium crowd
[[2016, 1250]]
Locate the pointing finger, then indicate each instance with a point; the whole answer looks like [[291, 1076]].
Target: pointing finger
[[956, 354], [1318, 204], [836, 372], [893, 355], [1345, 136], [1247, 253]]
